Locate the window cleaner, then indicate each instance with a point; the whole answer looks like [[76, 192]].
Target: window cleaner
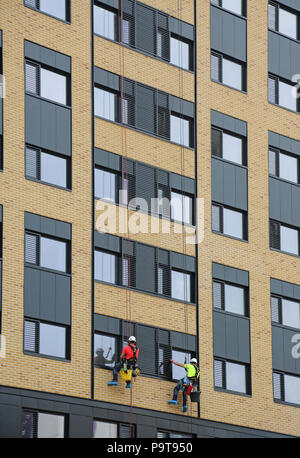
[[127, 364], [187, 383]]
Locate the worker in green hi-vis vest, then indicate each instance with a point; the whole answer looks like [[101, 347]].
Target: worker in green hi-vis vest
[[191, 378]]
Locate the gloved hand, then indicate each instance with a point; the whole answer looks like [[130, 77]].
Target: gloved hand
[[171, 360]]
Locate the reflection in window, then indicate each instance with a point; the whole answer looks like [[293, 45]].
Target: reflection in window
[[105, 350], [181, 286], [52, 340], [42, 425], [53, 169], [105, 266], [105, 185], [290, 313], [179, 53], [53, 86], [56, 8], [104, 22], [53, 254], [233, 223], [181, 208], [180, 357], [105, 104], [103, 429], [180, 130]]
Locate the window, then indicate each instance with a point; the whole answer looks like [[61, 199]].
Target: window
[[282, 93], [232, 376], [105, 22], [235, 6], [284, 166], [42, 425], [162, 44], [181, 286], [47, 167], [286, 387], [180, 53], [48, 84], [285, 311], [164, 280], [229, 222], [181, 208], [227, 71], [105, 185], [105, 350], [105, 104], [284, 238], [102, 429], [172, 435], [283, 21], [57, 8], [46, 252], [105, 266], [228, 146], [183, 358], [231, 298], [180, 130], [46, 339]]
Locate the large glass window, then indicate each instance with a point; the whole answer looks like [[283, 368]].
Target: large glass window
[[105, 350], [56, 8], [233, 5], [105, 185], [180, 130], [233, 223], [53, 86], [45, 338], [287, 23], [105, 266], [180, 357], [181, 208], [105, 104], [286, 387], [230, 298], [289, 240], [102, 429], [232, 148], [231, 376], [290, 313], [42, 425], [47, 167], [286, 97], [53, 254], [179, 53], [232, 74], [105, 22], [181, 286], [288, 167]]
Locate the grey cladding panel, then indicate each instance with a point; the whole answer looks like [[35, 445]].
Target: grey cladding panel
[[107, 79], [145, 28], [182, 183], [283, 288], [282, 346], [10, 421], [106, 324], [47, 296], [181, 28], [229, 184], [47, 56], [80, 426], [181, 106], [284, 56], [0, 38], [228, 123], [284, 202], [183, 341], [145, 108], [228, 33], [48, 125], [48, 226], [285, 143], [145, 268], [230, 274], [106, 159], [181, 261], [231, 337], [145, 183], [294, 4], [107, 241]]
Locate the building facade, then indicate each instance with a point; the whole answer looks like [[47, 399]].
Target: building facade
[[107, 105]]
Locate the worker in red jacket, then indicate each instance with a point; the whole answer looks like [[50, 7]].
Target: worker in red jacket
[[128, 358]]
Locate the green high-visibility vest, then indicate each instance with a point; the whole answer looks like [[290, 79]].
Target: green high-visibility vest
[[192, 371]]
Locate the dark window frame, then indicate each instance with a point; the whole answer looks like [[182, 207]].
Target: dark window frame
[[282, 387], [232, 134], [67, 12], [248, 384], [278, 79], [277, 152], [35, 413], [279, 224], [277, 7], [37, 322], [246, 298], [244, 220], [242, 64], [280, 314]]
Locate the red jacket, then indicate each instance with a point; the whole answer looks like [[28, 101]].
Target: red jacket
[[128, 352]]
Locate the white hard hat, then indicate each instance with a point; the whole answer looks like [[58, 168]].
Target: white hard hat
[[194, 360], [131, 339]]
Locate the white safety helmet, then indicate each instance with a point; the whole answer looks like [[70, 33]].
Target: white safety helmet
[[194, 360], [131, 339]]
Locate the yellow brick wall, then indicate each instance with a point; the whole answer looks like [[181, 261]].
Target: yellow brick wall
[[259, 411]]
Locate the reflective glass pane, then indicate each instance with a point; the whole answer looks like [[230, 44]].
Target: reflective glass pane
[[52, 340], [287, 23], [232, 74], [179, 356], [217, 294], [53, 86], [286, 97], [181, 208], [105, 185], [235, 377], [181, 286], [290, 313], [232, 148], [126, 32], [53, 254], [105, 350], [214, 63], [30, 328], [180, 130], [105, 104], [31, 78], [27, 429], [105, 267], [277, 385], [233, 223], [31, 162], [56, 8], [179, 53], [102, 429], [272, 17], [51, 426], [234, 299], [288, 167], [289, 240], [233, 5], [292, 389], [104, 22], [54, 169], [215, 222], [218, 373], [272, 90]]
